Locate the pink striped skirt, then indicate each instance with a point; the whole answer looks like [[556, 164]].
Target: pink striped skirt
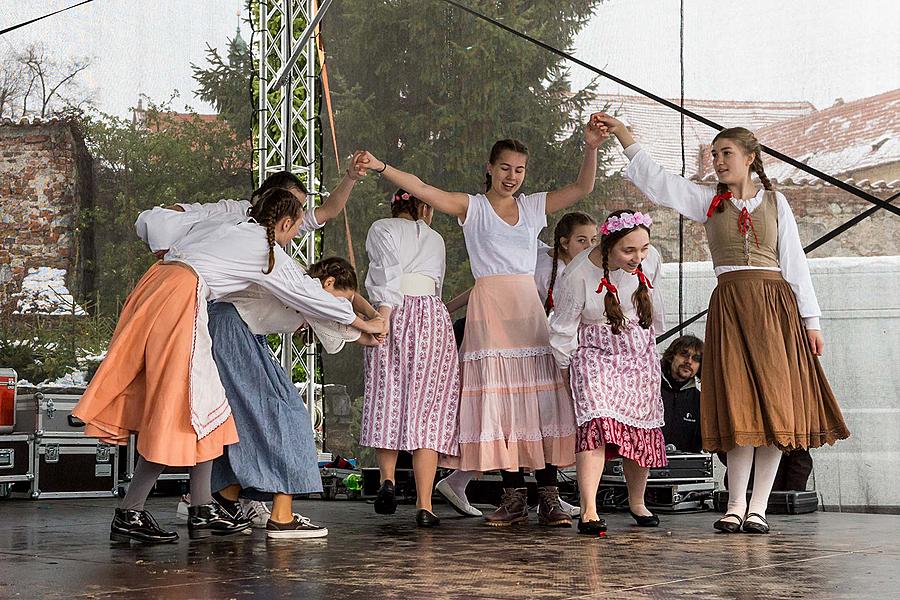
[[514, 409], [412, 382]]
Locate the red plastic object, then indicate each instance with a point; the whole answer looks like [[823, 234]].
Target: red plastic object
[[7, 400]]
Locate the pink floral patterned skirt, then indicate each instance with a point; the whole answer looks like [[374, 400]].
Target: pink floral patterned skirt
[[646, 447]]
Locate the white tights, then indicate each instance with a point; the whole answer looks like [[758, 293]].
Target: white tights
[[765, 465]]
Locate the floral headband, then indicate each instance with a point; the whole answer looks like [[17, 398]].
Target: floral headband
[[398, 197], [625, 221]]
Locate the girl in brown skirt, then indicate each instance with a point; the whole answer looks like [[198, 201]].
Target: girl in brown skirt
[[764, 390]]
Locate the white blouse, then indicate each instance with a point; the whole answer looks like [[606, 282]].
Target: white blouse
[[577, 301], [544, 269], [692, 200], [231, 257], [497, 248], [398, 247]]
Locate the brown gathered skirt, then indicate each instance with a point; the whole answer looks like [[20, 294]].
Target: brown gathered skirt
[[762, 385]]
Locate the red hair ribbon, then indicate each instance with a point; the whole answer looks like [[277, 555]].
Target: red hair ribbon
[[604, 283], [642, 277], [745, 224], [550, 298], [716, 201]]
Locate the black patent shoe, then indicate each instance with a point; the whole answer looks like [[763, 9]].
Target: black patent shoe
[[728, 526], [426, 518], [645, 521], [212, 519], [597, 527], [751, 527], [140, 526], [386, 501]]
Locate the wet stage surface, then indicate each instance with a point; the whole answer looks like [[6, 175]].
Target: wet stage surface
[[60, 549]]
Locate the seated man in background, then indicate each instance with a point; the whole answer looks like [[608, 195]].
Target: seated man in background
[[681, 394]]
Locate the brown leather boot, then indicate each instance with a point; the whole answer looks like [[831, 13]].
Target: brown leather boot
[[550, 513], [513, 509]]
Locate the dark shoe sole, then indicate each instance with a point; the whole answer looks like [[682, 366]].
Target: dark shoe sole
[[383, 508], [125, 539], [558, 523], [598, 529], [727, 527]]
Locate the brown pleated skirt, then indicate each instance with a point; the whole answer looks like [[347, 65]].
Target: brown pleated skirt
[[762, 385]]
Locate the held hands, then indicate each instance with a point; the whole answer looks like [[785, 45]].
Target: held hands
[[355, 169], [368, 162], [376, 326], [595, 133], [816, 341]]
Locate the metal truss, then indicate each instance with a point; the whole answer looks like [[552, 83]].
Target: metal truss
[[286, 140]]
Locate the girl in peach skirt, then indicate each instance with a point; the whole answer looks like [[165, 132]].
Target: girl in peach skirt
[[514, 412], [159, 379]]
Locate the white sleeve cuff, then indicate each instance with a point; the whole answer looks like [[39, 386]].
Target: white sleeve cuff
[[632, 150], [812, 323]]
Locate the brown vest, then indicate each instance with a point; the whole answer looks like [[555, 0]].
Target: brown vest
[[729, 247]]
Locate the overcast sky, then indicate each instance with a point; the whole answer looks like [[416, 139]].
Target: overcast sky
[[815, 50]]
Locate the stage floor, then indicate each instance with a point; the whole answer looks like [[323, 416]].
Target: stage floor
[[59, 549]]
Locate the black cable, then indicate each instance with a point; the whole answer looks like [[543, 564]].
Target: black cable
[[689, 113], [14, 27], [683, 172], [807, 249]]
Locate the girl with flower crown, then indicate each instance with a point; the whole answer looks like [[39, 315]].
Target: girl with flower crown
[[603, 334], [764, 390], [412, 379]]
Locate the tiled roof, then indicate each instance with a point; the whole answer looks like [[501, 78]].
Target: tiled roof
[[840, 140], [659, 127]]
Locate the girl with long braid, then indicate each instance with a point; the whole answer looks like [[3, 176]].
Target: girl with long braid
[[514, 412], [603, 333], [159, 379], [574, 233], [764, 390]]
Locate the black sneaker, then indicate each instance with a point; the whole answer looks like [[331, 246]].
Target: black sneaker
[[233, 509], [386, 501], [212, 519], [140, 526], [300, 527]]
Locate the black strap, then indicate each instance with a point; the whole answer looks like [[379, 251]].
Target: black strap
[[697, 117], [56, 12]]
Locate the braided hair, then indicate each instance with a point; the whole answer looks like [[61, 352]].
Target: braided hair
[[498, 147], [337, 267], [641, 297], [274, 205], [749, 144], [564, 229]]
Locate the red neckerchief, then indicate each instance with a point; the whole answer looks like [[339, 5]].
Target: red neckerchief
[[716, 201]]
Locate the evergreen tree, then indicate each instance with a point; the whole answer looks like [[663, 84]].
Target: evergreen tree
[[225, 83]]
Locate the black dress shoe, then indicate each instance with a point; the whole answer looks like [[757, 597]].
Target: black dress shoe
[[645, 521], [386, 501], [591, 527], [140, 526], [426, 518], [212, 519], [751, 527], [729, 526]]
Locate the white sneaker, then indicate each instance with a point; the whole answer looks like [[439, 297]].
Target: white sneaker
[[182, 511], [300, 528], [258, 512], [572, 511], [460, 505]]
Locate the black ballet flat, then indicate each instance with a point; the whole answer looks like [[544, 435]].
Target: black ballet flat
[[386, 501], [751, 527], [426, 518], [591, 527], [728, 526], [645, 521]]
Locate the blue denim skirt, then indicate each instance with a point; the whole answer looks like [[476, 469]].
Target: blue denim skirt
[[276, 452]]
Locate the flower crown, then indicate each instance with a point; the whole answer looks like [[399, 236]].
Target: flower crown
[[399, 197], [625, 221]]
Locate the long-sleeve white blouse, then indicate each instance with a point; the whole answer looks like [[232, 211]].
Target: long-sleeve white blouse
[[692, 200], [398, 247], [577, 301]]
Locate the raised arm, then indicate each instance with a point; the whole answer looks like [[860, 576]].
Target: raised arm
[[337, 200], [660, 187], [594, 135], [452, 203]]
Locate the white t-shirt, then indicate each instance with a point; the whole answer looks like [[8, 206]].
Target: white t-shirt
[[497, 248]]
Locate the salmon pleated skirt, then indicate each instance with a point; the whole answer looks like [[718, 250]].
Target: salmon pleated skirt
[[143, 385], [762, 385], [514, 410]]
